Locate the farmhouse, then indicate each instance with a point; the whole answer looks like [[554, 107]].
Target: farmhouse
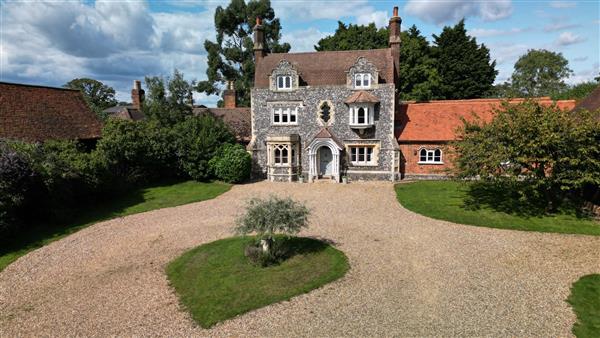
[[325, 115]]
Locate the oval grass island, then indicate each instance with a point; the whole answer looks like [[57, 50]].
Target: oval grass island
[[216, 281]]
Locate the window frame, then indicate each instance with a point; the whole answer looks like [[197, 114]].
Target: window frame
[[362, 77], [278, 114], [430, 156], [286, 84], [368, 118], [366, 152]]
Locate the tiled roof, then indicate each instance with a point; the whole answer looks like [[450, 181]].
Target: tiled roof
[[325, 133], [238, 120], [37, 113], [325, 68], [125, 112], [592, 102], [362, 97], [439, 120]]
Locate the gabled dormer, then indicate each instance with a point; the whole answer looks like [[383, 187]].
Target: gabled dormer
[[363, 75], [284, 77]]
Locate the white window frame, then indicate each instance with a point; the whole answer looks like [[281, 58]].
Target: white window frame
[[286, 82], [289, 114], [430, 156], [368, 119], [362, 155], [278, 154], [365, 80]]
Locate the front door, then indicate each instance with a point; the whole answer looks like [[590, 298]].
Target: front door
[[325, 161]]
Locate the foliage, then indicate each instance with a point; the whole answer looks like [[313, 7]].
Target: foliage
[[540, 73], [576, 92], [16, 179], [488, 205], [137, 150], [419, 79], [271, 216], [168, 101], [198, 138], [98, 95], [585, 300], [133, 201], [354, 37], [552, 153], [231, 163], [464, 66], [231, 57], [215, 282]]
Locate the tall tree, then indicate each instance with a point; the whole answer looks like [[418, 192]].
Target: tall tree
[[540, 73], [231, 57], [168, 100], [419, 79], [465, 67], [354, 37], [97, 95]]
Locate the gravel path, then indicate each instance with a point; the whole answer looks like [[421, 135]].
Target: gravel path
[[410, 275]]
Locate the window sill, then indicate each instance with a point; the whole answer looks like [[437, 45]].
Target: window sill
[[363, 88], [361, 126], [364, 165], [283, 124], [284, 90], [434, 163]]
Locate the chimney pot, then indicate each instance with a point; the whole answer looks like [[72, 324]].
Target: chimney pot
[[137, 84], [258, 21], [395, 11]]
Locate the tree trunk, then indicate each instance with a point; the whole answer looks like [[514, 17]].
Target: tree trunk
[[266, 245]]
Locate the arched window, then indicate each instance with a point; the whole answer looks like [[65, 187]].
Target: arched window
[[430, 156], [360, 118], [277, 156]]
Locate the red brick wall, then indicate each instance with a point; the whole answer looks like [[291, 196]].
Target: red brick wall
[[410, 157]]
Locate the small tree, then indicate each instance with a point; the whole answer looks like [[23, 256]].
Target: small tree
[[231, 163], [267, 217]]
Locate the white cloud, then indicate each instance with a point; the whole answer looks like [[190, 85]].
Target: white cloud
[[112, 41], [453, 10], [563, 4], [507, 52], [580, 59], [558, 26], [568, 38], [380, 18], [314, 10], [482, 32], [585, 74], [304, 40]]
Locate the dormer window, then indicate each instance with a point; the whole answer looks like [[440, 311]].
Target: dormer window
[[362, 80], [361, 116], [284, 82]]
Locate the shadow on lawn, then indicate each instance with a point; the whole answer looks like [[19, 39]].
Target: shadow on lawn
[[516, 198]]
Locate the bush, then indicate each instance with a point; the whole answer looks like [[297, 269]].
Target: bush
[[267, 217], [198, 138], [16, 180], [231, 163]]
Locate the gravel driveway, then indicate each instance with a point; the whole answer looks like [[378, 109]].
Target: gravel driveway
[[410, 275]]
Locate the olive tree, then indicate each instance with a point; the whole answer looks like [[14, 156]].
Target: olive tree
[[270, 216]]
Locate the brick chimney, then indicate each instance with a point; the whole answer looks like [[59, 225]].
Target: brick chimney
[[137, 94], [229, 96], [259, 40], [394, 42]]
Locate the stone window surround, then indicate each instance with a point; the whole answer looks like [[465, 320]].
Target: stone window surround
[[430, 153], [294, 105], [284, 82], [374, 156], [363, 77], [362, 66], [282, 111], [288, 142], [331, 113], [284, 68]]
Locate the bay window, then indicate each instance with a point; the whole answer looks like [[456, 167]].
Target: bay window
[[361, 115]]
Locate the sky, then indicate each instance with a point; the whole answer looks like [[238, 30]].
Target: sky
[[51, 42]]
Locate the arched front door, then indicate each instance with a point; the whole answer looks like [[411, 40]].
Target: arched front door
[[325, 161]]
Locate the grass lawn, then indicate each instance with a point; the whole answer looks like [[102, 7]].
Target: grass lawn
[[585, 300], [446, 200], [216, 281], [138, 200]]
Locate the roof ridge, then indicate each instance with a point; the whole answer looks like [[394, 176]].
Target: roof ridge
[[331, 51], [35, 86], [483, 100]]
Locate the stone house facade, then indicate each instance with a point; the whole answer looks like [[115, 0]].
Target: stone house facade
[[334, 114]]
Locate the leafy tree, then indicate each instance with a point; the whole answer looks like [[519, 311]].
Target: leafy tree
[[354, 37], [231, 163], [168, 100], [97, 95], [419, 79], [231, 57], [540, 73], [549, 154], [270, 216], [503, 90], [464, 67], [577, 92]]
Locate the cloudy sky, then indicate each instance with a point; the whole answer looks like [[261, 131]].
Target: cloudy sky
[[114, 41]]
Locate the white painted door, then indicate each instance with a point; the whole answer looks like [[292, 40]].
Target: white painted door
[[326, 161]]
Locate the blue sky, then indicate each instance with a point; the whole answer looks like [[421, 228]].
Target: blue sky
[[116, 42]]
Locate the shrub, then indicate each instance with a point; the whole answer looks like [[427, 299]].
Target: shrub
[[198, 138], [231, 163], [16, 180], [267, 217]]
